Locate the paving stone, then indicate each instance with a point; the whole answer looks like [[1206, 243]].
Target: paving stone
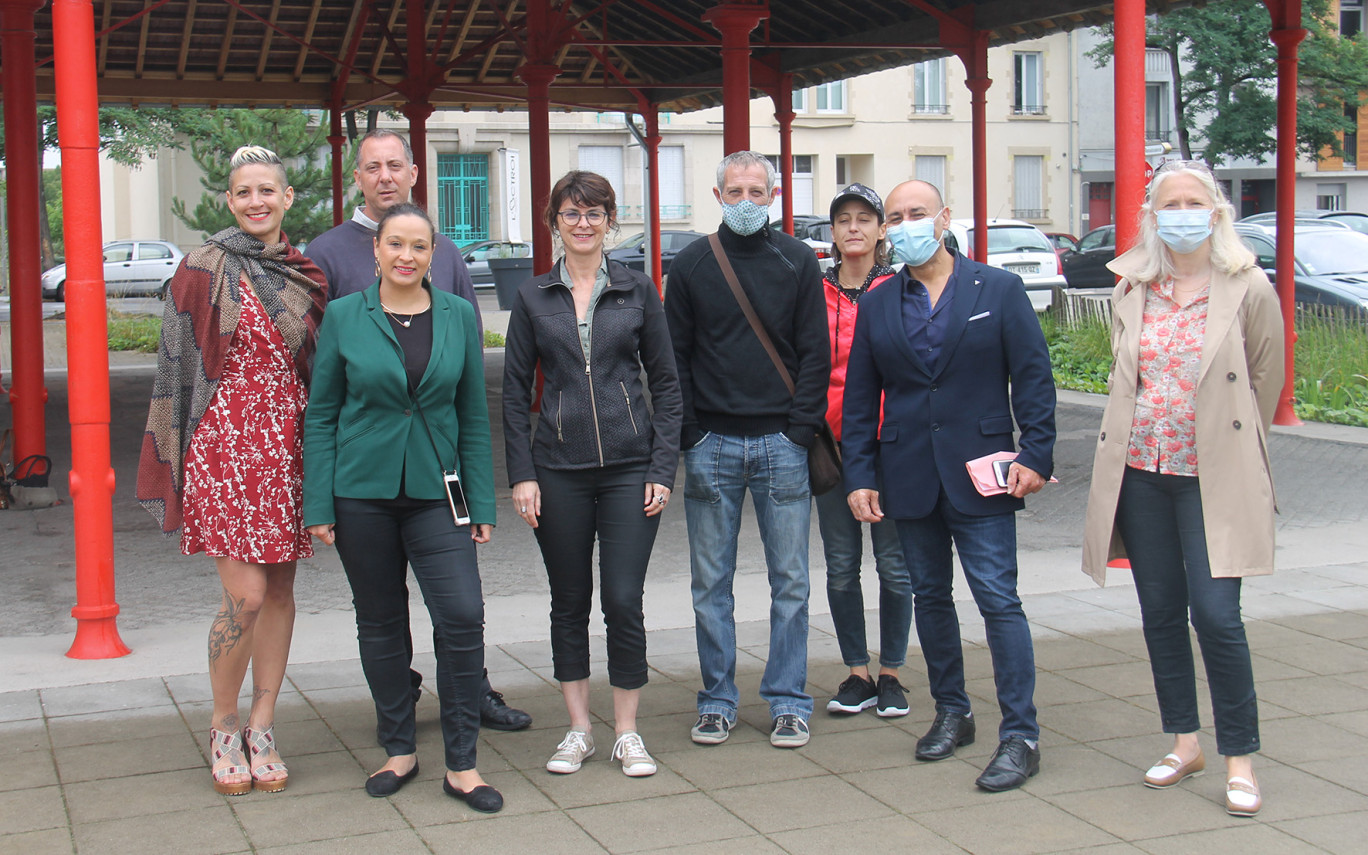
[[599, 782], [129, 757], [94, 728], [992, 828], [325, 772], [279, 819], [28, 770], [1320, 658], [120, 798], [682, 819], [1290, 792], [861, 750], [1120, 680], [405, 842], [1135, 812], [1328, 623], [1070, 768], [734, 765], [1338, 834], [51, 841], [17, 737], [1093, 720], [1313, 695], [101, 697], [753, 845], [882, 834], [16, 706], [542, 833], [31, 810], [203, 831], [1244, 838], [814, 801], [924, 787]]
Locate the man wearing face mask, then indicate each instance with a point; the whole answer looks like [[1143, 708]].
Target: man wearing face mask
[[956, 352], [742, 430]]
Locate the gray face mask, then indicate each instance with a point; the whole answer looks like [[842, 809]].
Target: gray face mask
[[745, 217]]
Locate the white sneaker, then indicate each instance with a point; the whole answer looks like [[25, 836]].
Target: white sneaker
[[574, 749], [631, 752]]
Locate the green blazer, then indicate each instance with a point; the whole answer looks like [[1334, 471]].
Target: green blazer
[[361, 429]]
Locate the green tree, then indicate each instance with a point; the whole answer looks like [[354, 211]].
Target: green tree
[[296, 136], [1225, 77], [52, 192]]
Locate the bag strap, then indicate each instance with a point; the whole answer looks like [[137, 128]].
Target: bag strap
[[413, 394], [749, 311]]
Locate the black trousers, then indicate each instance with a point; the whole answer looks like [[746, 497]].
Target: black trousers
[[377, 540], [577, 505]]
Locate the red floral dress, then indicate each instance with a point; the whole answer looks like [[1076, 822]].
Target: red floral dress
[[1164, 431], [244, 471]]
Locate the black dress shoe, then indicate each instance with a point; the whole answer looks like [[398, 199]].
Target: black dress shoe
[[387, 783], [949, 731], [1012, 764], [483, 798], [497, 715]]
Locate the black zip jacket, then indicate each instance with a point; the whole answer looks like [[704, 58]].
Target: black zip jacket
[[592, 414]]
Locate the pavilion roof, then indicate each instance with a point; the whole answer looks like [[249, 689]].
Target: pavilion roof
[[314, 53]]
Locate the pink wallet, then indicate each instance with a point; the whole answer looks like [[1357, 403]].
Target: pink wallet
[[981, 473]]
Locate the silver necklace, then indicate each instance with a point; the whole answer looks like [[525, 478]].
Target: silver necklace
[[405, 324]]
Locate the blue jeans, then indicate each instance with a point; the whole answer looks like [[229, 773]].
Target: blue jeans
[[1160, 521], [843, 546], [718, 470], [987, 551]]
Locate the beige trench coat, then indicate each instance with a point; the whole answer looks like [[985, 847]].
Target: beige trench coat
[[1239, 380]]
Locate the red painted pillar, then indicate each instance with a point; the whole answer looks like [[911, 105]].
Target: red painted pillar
[[735, 22], [417, 113], [92, 477], [975, 58], [783, 114], [27, 394], [538, 79], [335, 140], [651, 116], [1287, 34], [1129, 119]]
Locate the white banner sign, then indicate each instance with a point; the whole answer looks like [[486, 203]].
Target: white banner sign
[[512, 203]]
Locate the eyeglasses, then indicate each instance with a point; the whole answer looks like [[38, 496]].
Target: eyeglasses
[[1172, 165], [572, 217]]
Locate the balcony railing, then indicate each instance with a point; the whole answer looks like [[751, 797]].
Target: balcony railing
[[667, 212], [934, 109], [1029, 213], [1028, 109]]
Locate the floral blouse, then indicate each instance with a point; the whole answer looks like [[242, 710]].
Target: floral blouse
[[1163, 434]]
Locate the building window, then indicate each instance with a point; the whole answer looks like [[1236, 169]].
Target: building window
[[1351, 18], [463, 197], [800, 101], [606, 160], [931, 169], [1029, 92], [928, 87], [800, 192], [831, 97], [1350, 143], [1028, 187], [842, 171], [1157, 108], [671, 203], [1330, 197]]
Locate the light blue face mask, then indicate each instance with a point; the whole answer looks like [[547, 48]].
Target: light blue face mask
[[914, 241], [1183, 231], [745, 217]]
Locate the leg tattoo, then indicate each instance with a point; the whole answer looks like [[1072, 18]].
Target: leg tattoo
[[227, 628]]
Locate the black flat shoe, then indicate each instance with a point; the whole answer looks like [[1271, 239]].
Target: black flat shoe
[[387, 783], [1012, 763], [949, 731], [483, 798]]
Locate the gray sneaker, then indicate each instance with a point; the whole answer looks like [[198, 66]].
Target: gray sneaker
[[574, 749], [711, 729], [789, 731], [631, 752]]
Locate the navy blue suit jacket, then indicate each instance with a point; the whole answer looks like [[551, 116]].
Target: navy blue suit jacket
[[934, 421]]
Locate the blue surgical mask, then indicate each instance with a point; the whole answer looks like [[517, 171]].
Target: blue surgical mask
[[1184, 230], [914, 241], [745, 217]]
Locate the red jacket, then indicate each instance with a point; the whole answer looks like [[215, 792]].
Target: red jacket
[[841, 331]]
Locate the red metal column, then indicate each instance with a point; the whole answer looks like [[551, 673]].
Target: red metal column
[[92, 477], [735, 22], [651, 116], [1287, 34], [335, 140], [978, 81], [538, 79], [417, 113], [783, 113], [1129, 119], [22, 170]]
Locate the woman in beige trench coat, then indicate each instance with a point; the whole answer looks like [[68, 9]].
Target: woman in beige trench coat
[[1181, 482]]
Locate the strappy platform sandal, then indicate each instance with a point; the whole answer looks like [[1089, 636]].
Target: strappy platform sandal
[[260, 742], [221, 744]]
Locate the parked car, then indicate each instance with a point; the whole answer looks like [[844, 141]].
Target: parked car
[[1350, 219], [477, 257], [1019, 248], [1331, 263], [632, 251], [131, 268], [813, 230], [1086, 266], [1063, 241]]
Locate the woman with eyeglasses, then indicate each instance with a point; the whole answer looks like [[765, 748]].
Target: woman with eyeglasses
[[601, 462], [1181, 481]]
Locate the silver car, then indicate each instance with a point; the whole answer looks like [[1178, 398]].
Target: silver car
[[131, 268]]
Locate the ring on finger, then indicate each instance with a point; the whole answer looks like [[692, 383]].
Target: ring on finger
[[523, 509]]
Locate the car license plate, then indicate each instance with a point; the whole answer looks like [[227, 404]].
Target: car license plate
[[1019, 269]]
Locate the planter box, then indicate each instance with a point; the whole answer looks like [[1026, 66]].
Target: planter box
[[509, 275]]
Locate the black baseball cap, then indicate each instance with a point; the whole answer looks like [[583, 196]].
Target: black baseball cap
[[861, 192]]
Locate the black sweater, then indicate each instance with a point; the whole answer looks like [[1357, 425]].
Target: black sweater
[[729, 383]]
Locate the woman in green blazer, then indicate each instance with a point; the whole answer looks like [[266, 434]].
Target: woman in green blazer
[[398, 400]]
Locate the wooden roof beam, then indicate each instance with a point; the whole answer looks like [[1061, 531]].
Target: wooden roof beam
[[386, 37], [464, 32], [266, 42], [186, 32], [228, 28], [308, 37]]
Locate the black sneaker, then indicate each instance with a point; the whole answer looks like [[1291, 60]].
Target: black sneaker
[[497, 715], [855, 695], [892, 697]]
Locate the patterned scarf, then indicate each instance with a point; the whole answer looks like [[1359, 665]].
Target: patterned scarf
[[202, 310]]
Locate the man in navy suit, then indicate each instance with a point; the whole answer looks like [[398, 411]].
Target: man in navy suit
[[954, 349]]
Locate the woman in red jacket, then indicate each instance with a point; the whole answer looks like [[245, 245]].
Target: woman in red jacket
[[857, 220]]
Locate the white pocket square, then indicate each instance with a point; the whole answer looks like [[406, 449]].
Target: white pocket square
[[980, 315]]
